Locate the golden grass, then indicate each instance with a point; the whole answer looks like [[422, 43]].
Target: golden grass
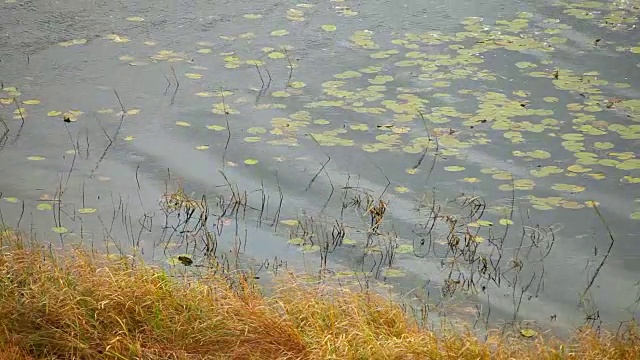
[[75, 305]]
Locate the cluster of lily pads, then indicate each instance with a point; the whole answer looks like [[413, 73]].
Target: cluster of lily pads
[[429, 92]]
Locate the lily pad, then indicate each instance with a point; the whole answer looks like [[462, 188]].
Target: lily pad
[[87, 210], [60, 230], [44, 206], [528, 333], [290, 222], [404, 249], [392, 273]]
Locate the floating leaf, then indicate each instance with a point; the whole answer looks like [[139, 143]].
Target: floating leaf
[[348, 75], [296, 241], [635, 215], [193, 76], [404, 249], [539, 154], [393, 273], [202, 147], [35, 158], [59, 230], [505, 222], [503, 176], [128, 138], [401, 189], [329, 28], [250, 161], [276, 55], [252, 16], [348, 241], [252, 139], [73, 42], [11, 200], [183, 123], [603, 145], [135, 18], [310, 248], [578, 169], [568, 188], [471, 180], [528, 333], [279, 33], [297, 84], [87, 210], [454, 168], [215, 127], [572, 205], [280, 94], [290, 222], [31, 102], [44, 206]]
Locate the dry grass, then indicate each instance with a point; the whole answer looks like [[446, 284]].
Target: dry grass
[[81, 306]]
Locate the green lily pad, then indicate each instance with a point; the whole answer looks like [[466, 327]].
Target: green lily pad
[[296, 241], [44, 206], [60, 230], [404, 249]]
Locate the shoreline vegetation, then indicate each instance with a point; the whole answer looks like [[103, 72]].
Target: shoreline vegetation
[[73, 304]]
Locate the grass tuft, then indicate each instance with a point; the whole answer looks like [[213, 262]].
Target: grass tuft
[[77, 305]]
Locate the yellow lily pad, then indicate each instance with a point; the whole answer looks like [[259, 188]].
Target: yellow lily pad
[[528, 333], [454, 168], [290, 222], [87, 210]]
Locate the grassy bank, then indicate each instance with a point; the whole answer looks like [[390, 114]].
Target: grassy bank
[[86, 306]]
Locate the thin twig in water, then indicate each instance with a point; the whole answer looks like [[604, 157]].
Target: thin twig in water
[[115, 135], [168, 84], [435, 155], [269, 75], [290, 68], [173, 97], [76, 150], [385, 176], [323, 164], [5, 133], [261, 78], [21, 118], [595, 275], [226, 119], [276, 218]]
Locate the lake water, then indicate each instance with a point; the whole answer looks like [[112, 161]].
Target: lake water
[[491, 131]]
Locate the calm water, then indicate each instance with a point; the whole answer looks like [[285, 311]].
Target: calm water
[[504, 121]]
